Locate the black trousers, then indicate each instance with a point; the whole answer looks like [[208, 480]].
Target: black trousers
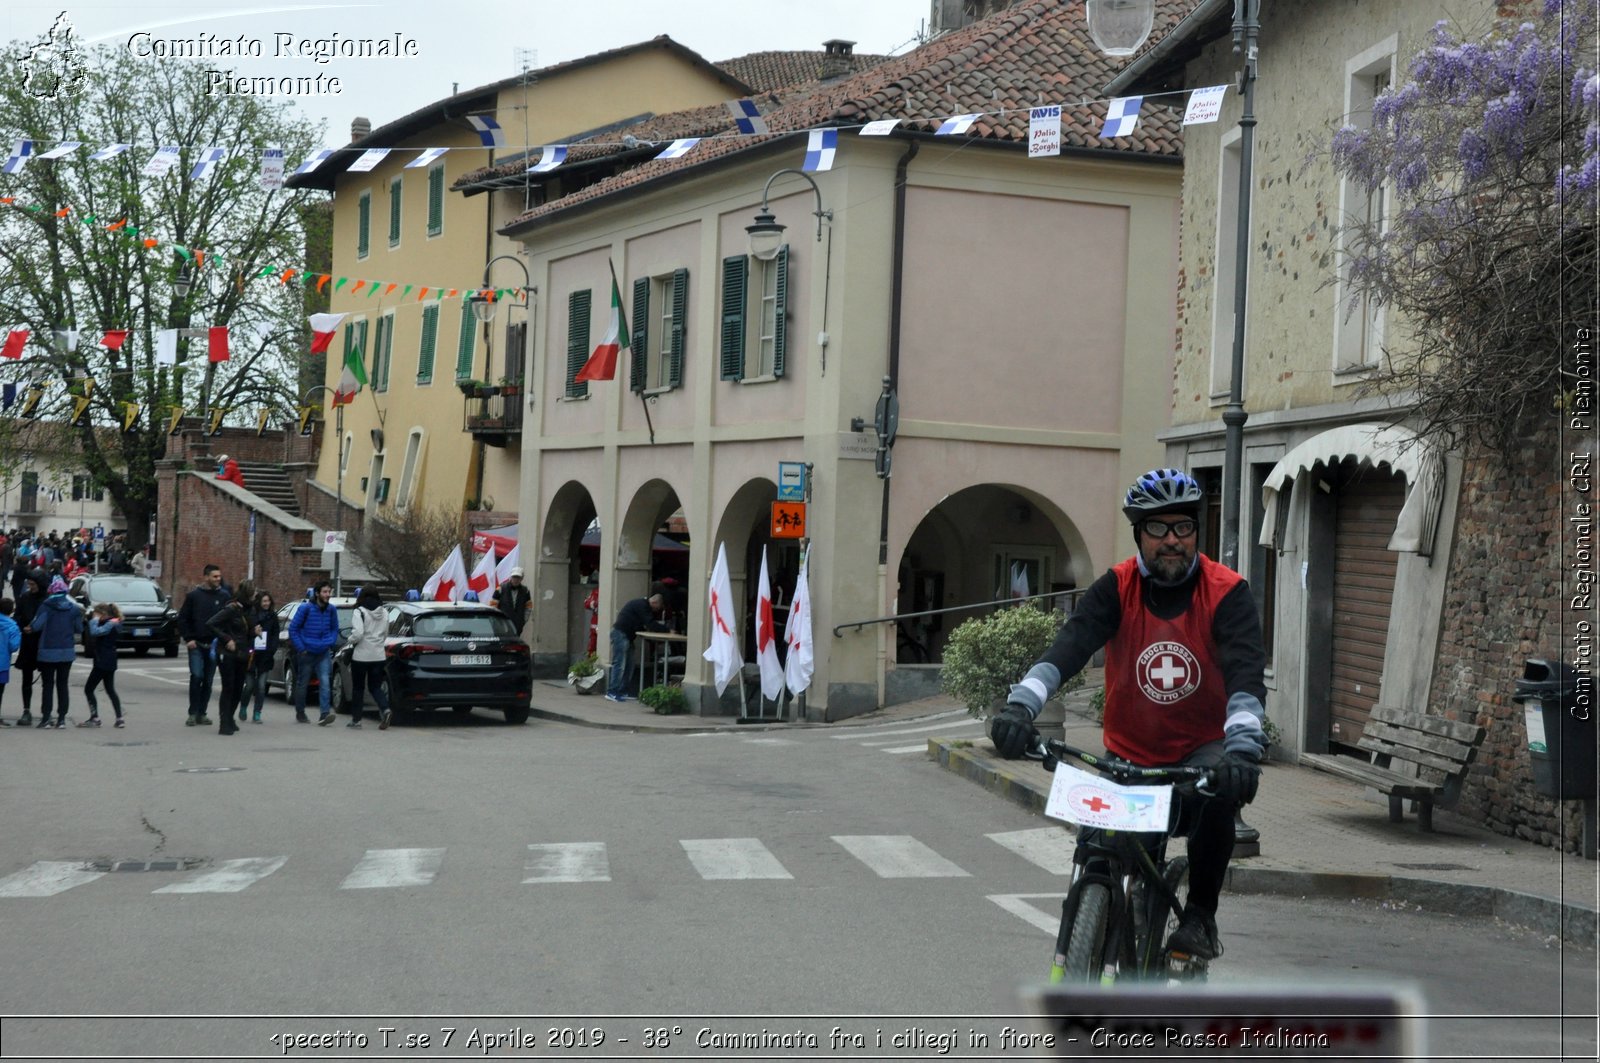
[[233, 670], [52, 688], [97, 676]]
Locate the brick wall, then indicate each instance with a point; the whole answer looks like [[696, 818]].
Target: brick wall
[[1503, 604]]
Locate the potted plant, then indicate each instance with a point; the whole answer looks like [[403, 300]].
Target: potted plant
[[666, 700], [585, 675], [469, 387], [986, 655], [509, 386]]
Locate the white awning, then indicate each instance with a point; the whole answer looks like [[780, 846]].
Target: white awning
[[1372, 445]]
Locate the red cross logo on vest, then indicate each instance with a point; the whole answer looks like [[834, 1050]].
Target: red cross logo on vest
[[1167, 672]]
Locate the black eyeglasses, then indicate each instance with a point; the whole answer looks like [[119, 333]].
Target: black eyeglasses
[[1157, 529]]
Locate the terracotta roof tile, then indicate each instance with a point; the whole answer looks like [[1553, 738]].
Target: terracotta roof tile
[[765, 71], [1035, 51]]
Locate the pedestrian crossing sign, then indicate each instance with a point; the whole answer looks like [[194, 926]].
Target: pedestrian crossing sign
[[788, 520]]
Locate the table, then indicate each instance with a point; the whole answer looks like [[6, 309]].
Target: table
[[656, 650]]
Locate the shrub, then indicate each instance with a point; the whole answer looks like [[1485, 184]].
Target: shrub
[[584, 666], [984, 656], [665, 700]]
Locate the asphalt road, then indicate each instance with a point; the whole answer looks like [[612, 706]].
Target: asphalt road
[[496, 877]]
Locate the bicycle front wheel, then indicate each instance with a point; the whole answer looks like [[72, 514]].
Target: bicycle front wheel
[[1086, 939]]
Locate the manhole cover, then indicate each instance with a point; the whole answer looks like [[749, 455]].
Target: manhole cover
[[185, 864], [287, 749], [124, 744], [1435, 867], [204, 771]]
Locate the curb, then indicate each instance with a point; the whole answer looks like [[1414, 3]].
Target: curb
[[1573, 923]]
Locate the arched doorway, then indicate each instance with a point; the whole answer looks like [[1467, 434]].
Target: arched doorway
[[562, 582]]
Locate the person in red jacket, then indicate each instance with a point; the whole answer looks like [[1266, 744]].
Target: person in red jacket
[[228, 469], [1184, 679]]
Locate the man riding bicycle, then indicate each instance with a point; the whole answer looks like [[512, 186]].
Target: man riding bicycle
[[1184, 662]]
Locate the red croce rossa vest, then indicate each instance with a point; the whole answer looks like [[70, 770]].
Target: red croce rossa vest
[[1164, 691]]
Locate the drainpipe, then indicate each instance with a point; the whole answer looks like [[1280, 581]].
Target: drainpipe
[[896, 290]]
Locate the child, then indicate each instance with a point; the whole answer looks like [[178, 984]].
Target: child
[[105, 624], [10, 643]]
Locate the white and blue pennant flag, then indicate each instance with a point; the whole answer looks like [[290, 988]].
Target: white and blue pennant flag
[[425, 158], [312, 161], [1044, 131], [18, 158], [550, 156], [369, 159], [271, 168], [820, 147], [208, 159], [1205, 105], [956, 126], [63, 149], [489, 130], [1122, 115], [165, 158], [678, 148], [747, 116], [110, 151]]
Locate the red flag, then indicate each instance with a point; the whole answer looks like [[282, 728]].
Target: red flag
[[218, 340], [602, 364], [114, 339], [14, 343]]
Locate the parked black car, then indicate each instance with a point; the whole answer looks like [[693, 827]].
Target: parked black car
[[446, 655], [148, 615], [280, 673]]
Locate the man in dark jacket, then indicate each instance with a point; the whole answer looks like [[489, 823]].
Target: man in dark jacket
[[199, 606], [313, 633], [513, 599], [641, 614]]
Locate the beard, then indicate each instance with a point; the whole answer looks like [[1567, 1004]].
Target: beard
[[1169, 566]]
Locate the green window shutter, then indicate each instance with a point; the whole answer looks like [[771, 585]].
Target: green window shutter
[[577, 341], [436, 201], [386, 343], [780, 310], [680, 323], [363, 224], [469, 335], [430, 341], [639, 340], [735, 279], [394, 212], [374, 353]]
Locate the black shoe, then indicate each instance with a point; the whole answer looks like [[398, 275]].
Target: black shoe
[[1196, 936], [325, 719], [191, 721], [93, 721], [383, 719], [26, 719], [4, 722], [203, 721], [44, 721], [301, 717], [353, 723]]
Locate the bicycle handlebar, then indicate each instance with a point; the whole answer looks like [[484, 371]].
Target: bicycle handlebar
[[1182, 776]]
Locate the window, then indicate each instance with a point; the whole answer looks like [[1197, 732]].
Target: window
[[408, 470], [516, 348], [83, 489], [464, 346], [755, 312], [363, 224], [1263, 560], [430, 340], [394, 212], [382, 353], [30, 492], [1358, 321], [436, 199], [577, 342], [1227, 265], [377, 486], [658, 334]]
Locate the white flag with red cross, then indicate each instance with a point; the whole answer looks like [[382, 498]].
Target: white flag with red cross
[[722, 649], [767, 638], [449, 584]]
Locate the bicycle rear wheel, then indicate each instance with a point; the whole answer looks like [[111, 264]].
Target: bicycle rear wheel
[[1086, 939]]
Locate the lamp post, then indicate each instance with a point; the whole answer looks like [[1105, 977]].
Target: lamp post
[[766, 234], [338, 507], [1119, 27], [484, 309]]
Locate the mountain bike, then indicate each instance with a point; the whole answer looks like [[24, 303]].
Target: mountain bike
[[1124, 898]]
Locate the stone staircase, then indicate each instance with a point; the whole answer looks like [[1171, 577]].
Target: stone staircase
[[270, 483]]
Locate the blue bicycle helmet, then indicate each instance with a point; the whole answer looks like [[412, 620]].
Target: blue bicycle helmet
[[413, 596], [1162, 491]]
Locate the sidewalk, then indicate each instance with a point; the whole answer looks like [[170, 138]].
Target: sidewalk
[[1320, 835]]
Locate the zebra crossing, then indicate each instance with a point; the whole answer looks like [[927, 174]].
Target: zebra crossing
[[887, 856], [912, 736]]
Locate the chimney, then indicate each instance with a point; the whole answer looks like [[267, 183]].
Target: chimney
[[359, 128], [836, 58]]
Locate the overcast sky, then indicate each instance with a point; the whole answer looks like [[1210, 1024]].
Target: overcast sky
[[466, 44]]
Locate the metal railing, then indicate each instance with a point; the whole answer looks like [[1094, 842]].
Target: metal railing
[[490, 411], [1067, 600]]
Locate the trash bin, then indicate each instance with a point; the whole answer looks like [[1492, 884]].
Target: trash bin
[[1558, 706]]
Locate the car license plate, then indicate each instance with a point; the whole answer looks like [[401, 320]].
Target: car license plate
[[141, 632], [469, 658]]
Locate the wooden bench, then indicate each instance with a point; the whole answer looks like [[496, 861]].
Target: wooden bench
[[1440, 750]]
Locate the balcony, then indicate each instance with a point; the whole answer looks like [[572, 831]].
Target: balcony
[[493, 412]]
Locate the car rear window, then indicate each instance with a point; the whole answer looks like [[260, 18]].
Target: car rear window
[[136, 591], [463, 625]]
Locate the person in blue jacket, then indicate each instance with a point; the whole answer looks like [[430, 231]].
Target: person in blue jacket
[[105, 624], [313, 633], [10, 643], [59, 622]]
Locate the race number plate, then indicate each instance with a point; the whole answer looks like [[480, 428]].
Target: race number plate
[[469, 658], [1094, 801]]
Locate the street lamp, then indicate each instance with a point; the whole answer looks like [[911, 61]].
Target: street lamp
[[1119, 27], [766, 235]]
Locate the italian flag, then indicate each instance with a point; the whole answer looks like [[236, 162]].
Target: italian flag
[[602, 364], [352, 379]]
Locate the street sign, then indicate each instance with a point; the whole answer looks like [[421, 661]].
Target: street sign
[[333, 542], [788, 520], [99, 532], [791, 481]]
